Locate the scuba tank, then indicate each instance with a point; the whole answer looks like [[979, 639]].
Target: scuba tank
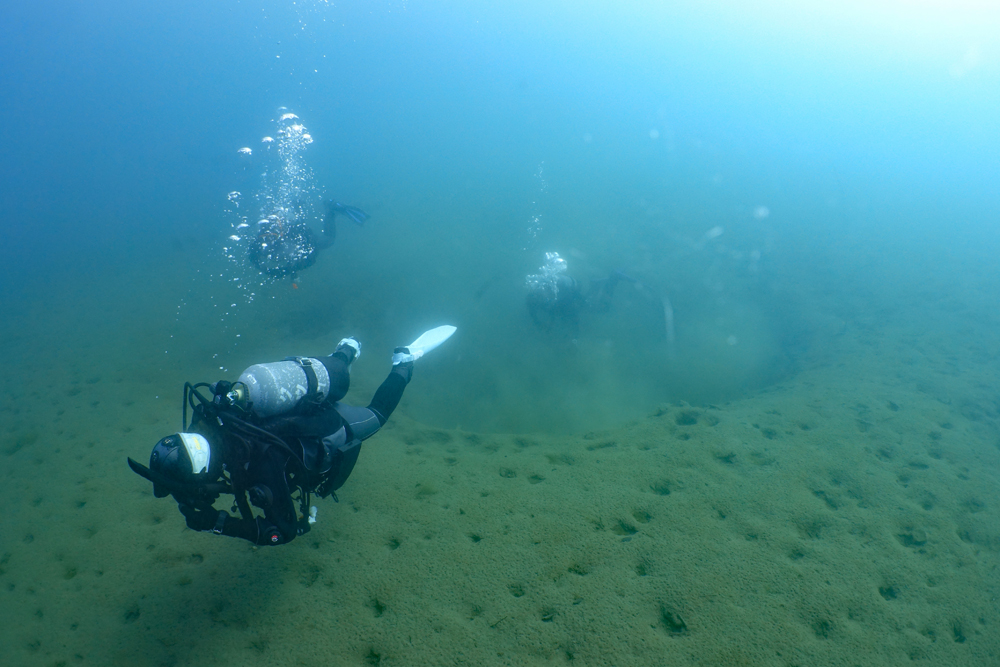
[[279, 387]]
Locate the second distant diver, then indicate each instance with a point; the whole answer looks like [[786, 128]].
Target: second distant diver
[[555, 300], [285, 244]]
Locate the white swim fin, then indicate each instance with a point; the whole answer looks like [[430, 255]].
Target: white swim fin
[[424, 344]]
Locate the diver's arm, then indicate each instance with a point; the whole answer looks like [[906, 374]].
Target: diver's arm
[[280, 523], [279, 509], [258, 530]]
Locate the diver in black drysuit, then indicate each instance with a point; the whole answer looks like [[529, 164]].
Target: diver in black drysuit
[[557, 301], [311, 448], [282, 248]]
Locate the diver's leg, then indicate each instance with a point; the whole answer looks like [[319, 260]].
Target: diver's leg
[[362, 422], [389, 393], [338, 367], [339, 371], [329, 229]]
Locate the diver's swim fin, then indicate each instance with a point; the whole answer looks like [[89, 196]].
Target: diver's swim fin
[[422, 345], [356, 215], [618, 274]]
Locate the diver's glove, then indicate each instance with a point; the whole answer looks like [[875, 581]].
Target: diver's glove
[[199, 519], [350, 348]]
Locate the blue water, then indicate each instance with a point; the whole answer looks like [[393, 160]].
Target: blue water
[[119, 112], [619, 134], [785, 177]]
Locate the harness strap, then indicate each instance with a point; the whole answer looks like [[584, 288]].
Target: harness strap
[[312, 382], [240, 492]]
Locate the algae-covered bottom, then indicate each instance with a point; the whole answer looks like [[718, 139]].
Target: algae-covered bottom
[[821, 523]]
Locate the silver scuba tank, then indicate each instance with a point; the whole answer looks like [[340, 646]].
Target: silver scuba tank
[[278, 387]]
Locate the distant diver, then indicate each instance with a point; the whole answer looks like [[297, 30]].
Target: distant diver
[[283, 248], [555, 300]]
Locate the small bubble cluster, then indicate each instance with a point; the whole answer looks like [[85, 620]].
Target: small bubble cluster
[[545, 283], [535, 222]]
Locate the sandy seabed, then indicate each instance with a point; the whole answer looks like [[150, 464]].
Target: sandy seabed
[[848, 516]]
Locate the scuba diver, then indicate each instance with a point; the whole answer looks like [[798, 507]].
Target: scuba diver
[[275, 436], [556, 300], [284, 247]]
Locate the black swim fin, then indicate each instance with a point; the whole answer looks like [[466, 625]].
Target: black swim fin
[[356, 215]]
